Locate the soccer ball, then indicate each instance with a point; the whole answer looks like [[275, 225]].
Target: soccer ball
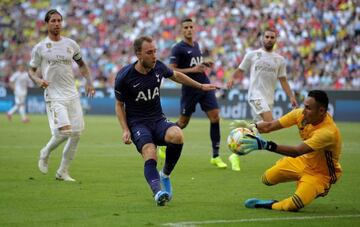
[[233, 140]]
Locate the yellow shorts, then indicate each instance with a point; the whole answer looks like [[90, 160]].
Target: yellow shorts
[[309, 185]]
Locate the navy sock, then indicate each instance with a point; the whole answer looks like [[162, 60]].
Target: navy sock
[[215, 138], [173, 152], [152, 175]]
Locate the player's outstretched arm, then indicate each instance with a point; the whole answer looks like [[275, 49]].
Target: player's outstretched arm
[[184, 79], [251, 143], [230, 83]]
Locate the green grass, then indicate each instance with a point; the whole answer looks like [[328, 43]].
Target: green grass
[[111, 189]]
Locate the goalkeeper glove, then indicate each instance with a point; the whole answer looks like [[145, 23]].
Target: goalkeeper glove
[[250, 143], [244, 124]]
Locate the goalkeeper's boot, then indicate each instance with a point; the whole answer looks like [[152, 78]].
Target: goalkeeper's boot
[[166, 184], [259, 203], [235, 162], [218, 162], [43, 162], [162, 152], [63, 176], [161, 197]]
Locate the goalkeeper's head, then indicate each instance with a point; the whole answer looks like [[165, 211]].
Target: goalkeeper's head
[[315, 107], [320, 97]]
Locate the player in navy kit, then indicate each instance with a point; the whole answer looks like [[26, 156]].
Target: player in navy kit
[[139, 111], [187, 58]]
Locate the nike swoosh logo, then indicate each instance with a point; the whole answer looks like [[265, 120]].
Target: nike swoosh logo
[[136, 85], [189, 52]]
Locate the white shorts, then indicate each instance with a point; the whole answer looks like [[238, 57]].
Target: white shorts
[[259, 106], [65, 112], [20, 99]]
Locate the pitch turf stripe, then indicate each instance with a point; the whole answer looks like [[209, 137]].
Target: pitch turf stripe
[[211, 222]]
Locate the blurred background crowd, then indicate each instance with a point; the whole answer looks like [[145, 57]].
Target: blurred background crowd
[[320, 39]]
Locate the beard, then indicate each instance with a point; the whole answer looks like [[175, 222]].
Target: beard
[[269, 46], [147, 65]]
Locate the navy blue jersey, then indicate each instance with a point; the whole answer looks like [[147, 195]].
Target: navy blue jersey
[[187, 56], [140, 92]]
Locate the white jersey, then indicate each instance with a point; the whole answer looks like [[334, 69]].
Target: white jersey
[[265, 68], [55, 59], [21, 83]]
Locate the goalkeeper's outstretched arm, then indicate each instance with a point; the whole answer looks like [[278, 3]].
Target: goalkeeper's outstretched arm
[[293, 151], [265, 126]]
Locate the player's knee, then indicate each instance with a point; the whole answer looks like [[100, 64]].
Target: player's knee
[[214, 118], [75, 135], [64, 133], [174, 135]]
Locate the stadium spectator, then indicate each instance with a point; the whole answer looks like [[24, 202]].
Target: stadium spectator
[[327, 31], [54, 56]]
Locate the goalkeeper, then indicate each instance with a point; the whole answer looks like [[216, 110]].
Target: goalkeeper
[[313, 164]]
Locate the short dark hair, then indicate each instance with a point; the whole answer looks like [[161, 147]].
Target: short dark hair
[[50, 13], [271, 29], [139, 41], [320, 97], [186, 19]]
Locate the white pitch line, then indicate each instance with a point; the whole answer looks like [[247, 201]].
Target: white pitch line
[[194, 223]]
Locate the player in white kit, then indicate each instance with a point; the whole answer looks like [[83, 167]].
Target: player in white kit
[[54, 56], [19, 83], [265, 68]]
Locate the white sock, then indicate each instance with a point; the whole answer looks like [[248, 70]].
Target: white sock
[[13, 110], [22, 112], [69, 151], [53, 143]]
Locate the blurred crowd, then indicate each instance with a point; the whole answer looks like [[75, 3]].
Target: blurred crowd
[[320, 39]]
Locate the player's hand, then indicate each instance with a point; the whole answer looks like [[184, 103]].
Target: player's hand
[[90, 90], [126, 137], [42, 83], [200, 68], [230, 83], [244, 124], [208, 87], [208, 64], [250, 143], [294, 103]]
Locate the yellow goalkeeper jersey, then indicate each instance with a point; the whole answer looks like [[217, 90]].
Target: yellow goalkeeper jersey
[[324, 139]]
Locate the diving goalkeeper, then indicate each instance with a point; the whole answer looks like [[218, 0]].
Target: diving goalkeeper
[[313, 164]]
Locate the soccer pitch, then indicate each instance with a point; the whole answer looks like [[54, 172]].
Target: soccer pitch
[[111, 189]]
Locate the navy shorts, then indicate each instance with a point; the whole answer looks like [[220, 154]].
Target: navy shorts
[[150, 132], [207, 101]]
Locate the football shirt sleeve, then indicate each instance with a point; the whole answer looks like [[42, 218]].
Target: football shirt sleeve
[[77, 52], [290, 118], [118, 87], [246, 62], [35, 60], [173, 56], [282, 68]]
